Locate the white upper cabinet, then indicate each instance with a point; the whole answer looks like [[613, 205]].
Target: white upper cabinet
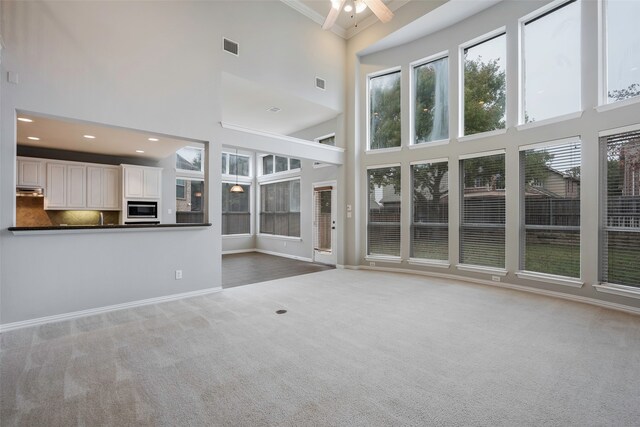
[[76, 186], [141, 182], [30, 173], [103, 187], [56, 190]]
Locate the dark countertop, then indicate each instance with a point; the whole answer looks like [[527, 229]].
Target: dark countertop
[[107, 227]]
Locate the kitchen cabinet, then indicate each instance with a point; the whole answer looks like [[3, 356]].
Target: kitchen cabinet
[[141, 182], [103, 187], [66, 186], [30, 173]]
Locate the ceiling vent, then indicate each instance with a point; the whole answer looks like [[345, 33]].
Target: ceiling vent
[[274, 109], [320, 83], [230, 46]]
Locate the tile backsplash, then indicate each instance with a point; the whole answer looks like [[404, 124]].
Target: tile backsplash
[[30, 213]]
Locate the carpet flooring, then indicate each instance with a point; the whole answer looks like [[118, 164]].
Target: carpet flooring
[[355, 348], [254, 267]]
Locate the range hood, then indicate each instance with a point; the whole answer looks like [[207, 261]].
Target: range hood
[[29, 192]]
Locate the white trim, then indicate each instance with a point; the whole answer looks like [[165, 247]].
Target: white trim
[[550, 121], [551, 143], [541, 11], [429, 262], [231, 179], [504, 285], [318, 165], [603, 60], [383, 150], [93, 311], [238, 251], [615, 131], [329, 135], [383, 258], [237, 236], [299, 258], [482, 269], [279, 237], [488, 134], [625, 291], [429, 59], [388, 165], [386, 71], [482, 154], [280, 177], [618, 104], [428, 144], [483, 38], [430, 161], [231, 126], [550, 278]]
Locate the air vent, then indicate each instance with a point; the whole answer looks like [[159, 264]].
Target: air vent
[[320, 83], [230, 46], [274, 109]]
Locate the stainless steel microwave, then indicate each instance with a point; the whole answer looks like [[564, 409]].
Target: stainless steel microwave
[[142, 210]]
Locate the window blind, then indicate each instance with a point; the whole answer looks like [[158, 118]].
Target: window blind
[[550, 190], [236, 214], [621, 216], [482, 236], [430, 220], [280, 208], [383, 220]]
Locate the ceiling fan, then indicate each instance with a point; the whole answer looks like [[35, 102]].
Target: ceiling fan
[[378, 8]]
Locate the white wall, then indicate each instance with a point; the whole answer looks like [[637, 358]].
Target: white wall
[[152, 66], [587, 126]]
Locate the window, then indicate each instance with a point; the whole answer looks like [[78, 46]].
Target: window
[[282, 164], [551, 63], [280, 208], [431, 107], [430, 216], [328, 140], [190, 159], [621, 217], [550, 191], [236, 214], [384, 111], [383, 225], [622, 50], [189, 207], [233, 164], [485, 85], [482, 236]]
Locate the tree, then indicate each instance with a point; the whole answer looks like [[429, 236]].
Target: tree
[[432, 104], [385, 112], [484, 96], [629, 92]]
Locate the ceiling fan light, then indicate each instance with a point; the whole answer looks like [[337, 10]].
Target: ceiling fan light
[[348, 8], [236, 189]]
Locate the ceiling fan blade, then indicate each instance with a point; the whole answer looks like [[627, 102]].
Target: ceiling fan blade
[[336, 7], [379, 9]]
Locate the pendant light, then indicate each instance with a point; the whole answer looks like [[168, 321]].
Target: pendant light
[[236, 188]]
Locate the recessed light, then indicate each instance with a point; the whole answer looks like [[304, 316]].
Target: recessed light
[[33, 138], [24, 119], [140, 151], [154, 139], [89, 136]]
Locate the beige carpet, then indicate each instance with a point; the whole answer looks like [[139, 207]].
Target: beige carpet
[[354, 348]]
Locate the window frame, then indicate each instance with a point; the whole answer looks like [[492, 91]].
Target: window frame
[[276, 175], [225, 173], [498, 32], [258, 209], [251, 209], [191, 173], [367, 123]]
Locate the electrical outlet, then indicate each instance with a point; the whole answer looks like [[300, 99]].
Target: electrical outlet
[[495, 278], [178, 274], [372, 264]]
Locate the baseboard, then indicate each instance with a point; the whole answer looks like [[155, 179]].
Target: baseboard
[[561, 295], [299, 258], [238, 251], [83, 313]]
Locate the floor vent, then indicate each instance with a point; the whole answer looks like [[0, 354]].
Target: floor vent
[[230, 46], [281, 311], [320, 83]]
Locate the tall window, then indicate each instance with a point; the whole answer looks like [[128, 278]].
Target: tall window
[[431, 107], [189, 200], [623, 49], [621, 222], [280, 208], [236, 214], [482, 237], [551, 54], [430, 215], [550, 190], [384, 111], [485, 85], [383, 224]]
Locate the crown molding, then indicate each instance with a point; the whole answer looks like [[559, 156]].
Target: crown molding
[[314, 16]]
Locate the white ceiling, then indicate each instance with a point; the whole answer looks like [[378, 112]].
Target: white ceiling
[[317, 11], [245, 103], [63, 134]]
